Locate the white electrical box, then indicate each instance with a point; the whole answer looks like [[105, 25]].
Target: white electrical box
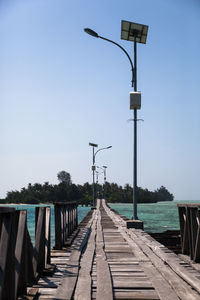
[[135, 100]]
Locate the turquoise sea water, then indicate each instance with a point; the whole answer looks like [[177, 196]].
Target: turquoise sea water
[[82, 212], [157, 217]]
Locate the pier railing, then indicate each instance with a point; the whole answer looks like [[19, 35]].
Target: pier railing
[[66, 220], [189, 218], [21, 263]]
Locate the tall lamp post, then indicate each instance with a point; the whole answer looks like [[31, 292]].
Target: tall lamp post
[[136, 33], [94, 167]]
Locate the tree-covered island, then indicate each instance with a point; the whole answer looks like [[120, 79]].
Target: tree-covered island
[[68, 191]]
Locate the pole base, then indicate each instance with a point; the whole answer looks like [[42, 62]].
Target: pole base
[[137, 224]]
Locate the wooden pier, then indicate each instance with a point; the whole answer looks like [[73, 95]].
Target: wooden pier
[[104, 260]]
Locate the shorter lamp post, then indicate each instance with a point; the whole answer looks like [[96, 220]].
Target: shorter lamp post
[[93, 170], [94, 167]]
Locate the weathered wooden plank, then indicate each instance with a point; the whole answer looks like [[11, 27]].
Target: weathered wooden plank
[[104, 283], [173, 262], [186, 259], [155, 272], [162, 287], [182, 289], [68, 283], [83, 288], [137, 294]]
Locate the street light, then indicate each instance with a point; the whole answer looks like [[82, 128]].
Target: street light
[[104, 183], [93, 170], [136, 33], [104, 172], [97, 182], [94, 167]]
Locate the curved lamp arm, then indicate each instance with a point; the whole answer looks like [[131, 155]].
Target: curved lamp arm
[[132, 68], [100, 150], [94, 34]]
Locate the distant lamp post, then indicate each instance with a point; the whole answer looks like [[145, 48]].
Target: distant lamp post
[[97, 183], [104, 190], [136, 33], [94, 167], [104, 170], [93, 170], [104, 183]]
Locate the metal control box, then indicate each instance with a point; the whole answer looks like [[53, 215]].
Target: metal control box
[[135, 100]]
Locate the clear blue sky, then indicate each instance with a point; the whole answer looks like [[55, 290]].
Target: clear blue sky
[[61, 89]]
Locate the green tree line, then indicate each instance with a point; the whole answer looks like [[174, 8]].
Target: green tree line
[[68, 191]]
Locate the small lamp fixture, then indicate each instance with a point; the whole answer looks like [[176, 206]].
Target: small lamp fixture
[[134, 32], [91, 32], [93, 145]]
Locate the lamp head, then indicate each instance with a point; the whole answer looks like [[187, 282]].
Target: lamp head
[[91, 32], [108, 147], [93, 145]]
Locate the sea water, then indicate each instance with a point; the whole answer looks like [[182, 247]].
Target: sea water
[[157, 217]]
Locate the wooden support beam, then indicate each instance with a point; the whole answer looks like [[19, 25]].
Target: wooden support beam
[[20, 255]]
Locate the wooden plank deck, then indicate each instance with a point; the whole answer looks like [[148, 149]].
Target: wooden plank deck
[[108, 261]]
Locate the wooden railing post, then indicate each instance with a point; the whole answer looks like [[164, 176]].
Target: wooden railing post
[[47, 236], [197, 246], [42, 239], [184, 229], [38, 256], [21, 268], [193, 229], [7, 251], [57, 216], [76, 216], [189, 218], [70, 219]]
